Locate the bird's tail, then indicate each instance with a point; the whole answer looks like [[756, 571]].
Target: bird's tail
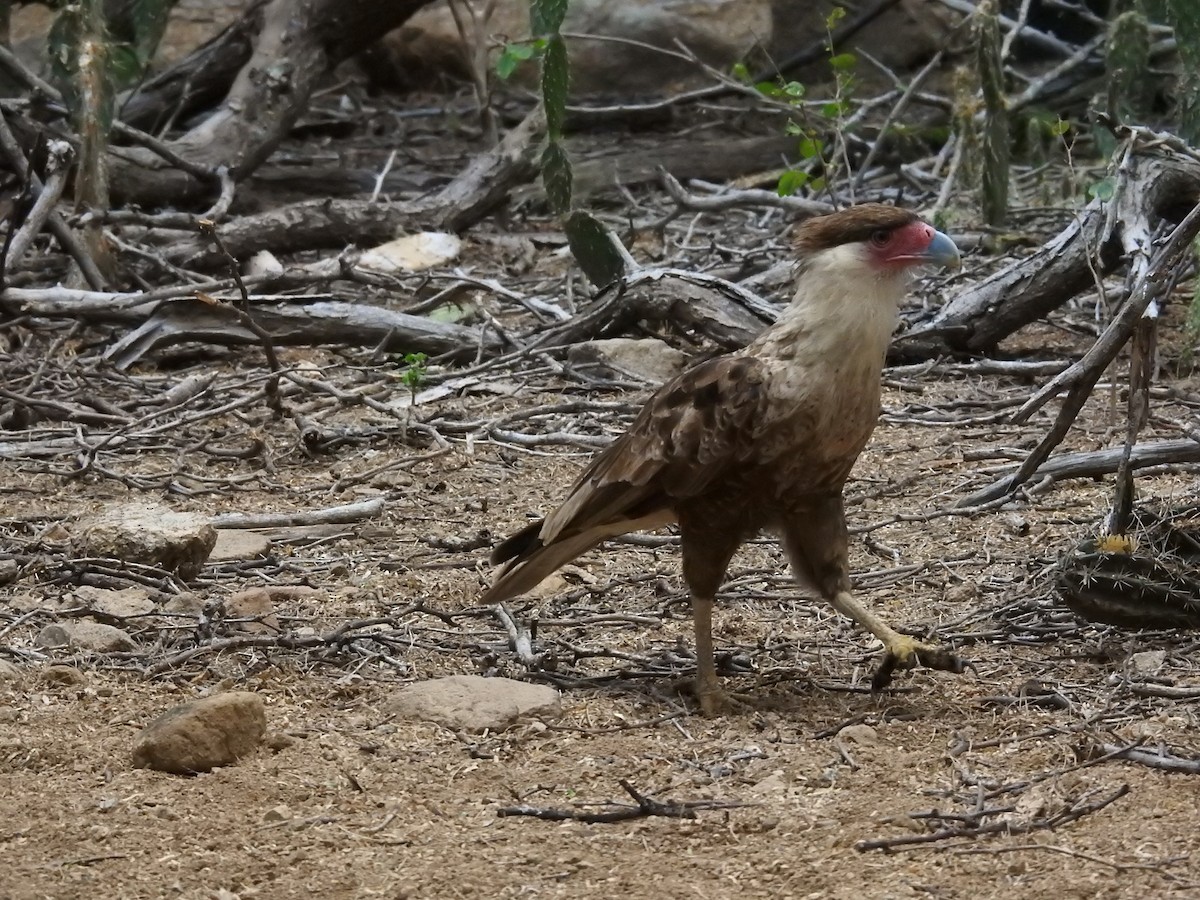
[[524, 541], [528, 561]]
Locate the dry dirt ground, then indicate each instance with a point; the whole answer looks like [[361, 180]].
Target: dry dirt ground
[[359, 804]]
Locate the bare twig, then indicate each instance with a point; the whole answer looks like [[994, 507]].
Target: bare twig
[[1074, 811], [646, 806]]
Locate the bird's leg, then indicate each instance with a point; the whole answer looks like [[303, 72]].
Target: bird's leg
[[817, 543], [708, 545], [714, 700], [707, 687], [901, 651]]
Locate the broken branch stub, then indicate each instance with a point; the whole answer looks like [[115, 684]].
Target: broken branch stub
[[1157, 186]]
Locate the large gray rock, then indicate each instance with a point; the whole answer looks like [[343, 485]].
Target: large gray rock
[[720, 32], [151, 535], [474, 703], [203, 734]]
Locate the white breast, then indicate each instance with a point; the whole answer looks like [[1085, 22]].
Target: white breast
[[827, 350]]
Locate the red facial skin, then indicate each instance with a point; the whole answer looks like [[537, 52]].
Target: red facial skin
[[901, 247]]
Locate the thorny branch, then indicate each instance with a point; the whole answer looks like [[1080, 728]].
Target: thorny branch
[[645, 807]]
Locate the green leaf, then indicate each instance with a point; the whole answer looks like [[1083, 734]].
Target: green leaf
[[62, 47], [1103, 189], [811, 147], [512, 56], [793, 128], [594, 250], [1184, 17], [124, 65], [1059, 128], [794, 89], [413, 375], [142, 27], [740, 72], [546, 16], [832, 109], [452, 312], [768, 89], [835, 15], [843, 61], [790, 182], [555, 84], [556, 177]]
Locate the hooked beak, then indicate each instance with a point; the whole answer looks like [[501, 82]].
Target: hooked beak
[[942, 251]]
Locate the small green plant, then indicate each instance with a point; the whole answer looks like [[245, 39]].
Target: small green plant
[[590, 242], [814, 153], [414, 373], [1191, 325]]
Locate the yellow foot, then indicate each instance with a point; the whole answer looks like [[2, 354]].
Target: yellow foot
[[904, 652]]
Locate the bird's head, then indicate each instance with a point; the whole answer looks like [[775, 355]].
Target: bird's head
[[887, 240]]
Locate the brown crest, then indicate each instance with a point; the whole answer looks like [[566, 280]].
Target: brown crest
[[847, 226]]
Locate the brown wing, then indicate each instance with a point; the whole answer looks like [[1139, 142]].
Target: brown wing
[[695, 428]]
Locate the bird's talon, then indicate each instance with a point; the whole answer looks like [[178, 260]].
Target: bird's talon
[[909, 653]]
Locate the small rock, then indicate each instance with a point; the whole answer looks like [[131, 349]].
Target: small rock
[[474, 703], [552, 584], [772, 784], [863, 735], [963, 592], [23, 603], [277, 740], [121, 604], [9, 570], [649, 358], [1148, 661], [151, 535], [412, 252], [203, 734], [9, 671], [9, 714], [256, 605], [187, 604], [263, 263], [64, 675], [93, 636], [236, 544], [280, 813], [52, 637]]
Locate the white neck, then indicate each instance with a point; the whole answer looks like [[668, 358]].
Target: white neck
[[844, 309]]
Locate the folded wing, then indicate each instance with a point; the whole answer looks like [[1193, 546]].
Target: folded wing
[[692, 432]]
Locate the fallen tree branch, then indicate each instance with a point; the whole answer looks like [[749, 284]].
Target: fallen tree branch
[[1152, 759], [344, 514], [1091, 464], [264, 100], [646, 806], [1070, 813], [327, 322]]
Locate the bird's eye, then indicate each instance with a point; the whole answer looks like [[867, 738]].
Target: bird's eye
[[880, 237]]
